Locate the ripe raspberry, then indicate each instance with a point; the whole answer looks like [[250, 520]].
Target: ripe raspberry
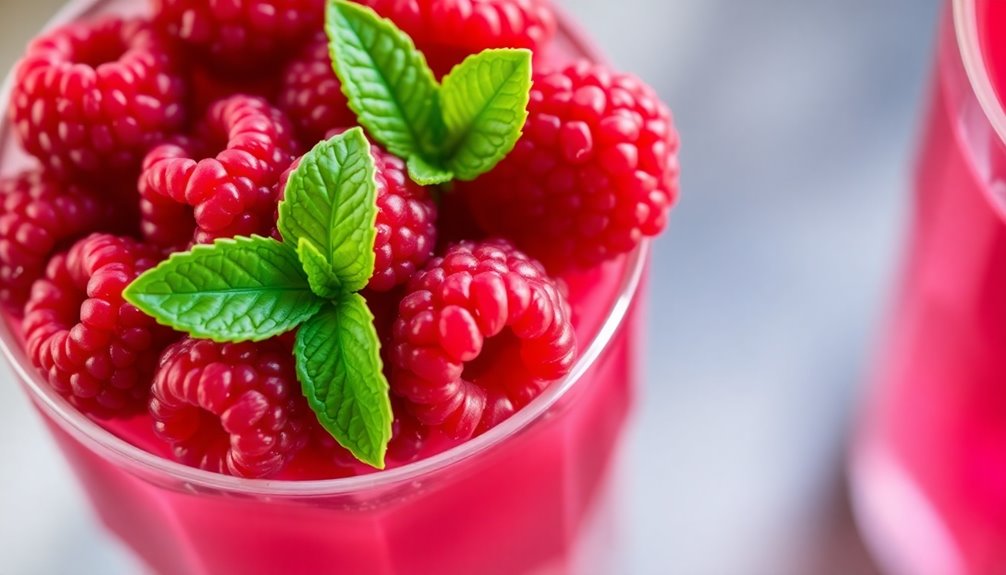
[[38, 213], [231, 408], [240, 35], [312, 95], [480, 333], [95, 349], [447, 31], [595, 171], [406, 222], [184, 186], [324, 458], [207, 86], [92, 98]]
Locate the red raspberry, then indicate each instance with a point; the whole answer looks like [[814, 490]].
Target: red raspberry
[[595, 171], [207, 86], [92, 98], [447, 31], [406, 222], [312, 95], [37, 215], [480, 333], [239, 34], [230, 408], [94, 348], [324, 458], [226, 195]]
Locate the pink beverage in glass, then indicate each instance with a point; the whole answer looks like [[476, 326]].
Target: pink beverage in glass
[[532, 495], [929, 467]]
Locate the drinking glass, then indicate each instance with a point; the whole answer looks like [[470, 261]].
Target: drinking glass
[[929, 464], [534, 495]]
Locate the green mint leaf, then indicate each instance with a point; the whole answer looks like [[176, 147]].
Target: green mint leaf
[[241, 289], [484, 101], [323, 281], [339, 367], [331, 201], [386, 79], [426, 174]]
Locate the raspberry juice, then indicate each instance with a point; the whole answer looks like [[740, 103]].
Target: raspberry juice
[[533, 495], [929, 465]]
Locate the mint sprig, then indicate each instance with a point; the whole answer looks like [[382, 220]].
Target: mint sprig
[[255, 288], [459, 129], [233, 290], [328, 203], [252, 289], [386, 80], [335, 350], [483, 99]]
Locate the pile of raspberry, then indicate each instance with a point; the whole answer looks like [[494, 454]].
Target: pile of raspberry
[[151, 135]]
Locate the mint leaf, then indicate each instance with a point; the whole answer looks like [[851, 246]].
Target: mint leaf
[[426, 174], [331, 201], [484, 101], [339, 367], [241, 289], [323, 281], [386, 80]]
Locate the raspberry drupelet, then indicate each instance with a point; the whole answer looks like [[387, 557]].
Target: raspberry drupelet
[[231, 408], [91, 99], [595, 172], [406, 222], [447, 31], [221, 181], [94, 348], [311, 94], [480, 333], [38, 213], [238, 35]]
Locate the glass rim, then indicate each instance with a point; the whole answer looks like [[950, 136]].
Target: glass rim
[[133, 458], [965, 16]]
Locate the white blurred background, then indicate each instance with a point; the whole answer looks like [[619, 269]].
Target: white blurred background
[[798, 122]]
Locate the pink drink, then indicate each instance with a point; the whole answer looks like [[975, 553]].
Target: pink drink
[[526, 497], [929, 470]]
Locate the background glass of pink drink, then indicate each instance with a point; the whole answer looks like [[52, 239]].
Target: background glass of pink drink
[[533, 495], [929, 467]]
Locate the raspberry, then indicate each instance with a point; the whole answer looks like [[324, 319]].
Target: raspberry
[[95, 349], [406, 222], [230, 408], [92, 98], [480, 333], [236, 34], [595, 171], [37, 215], [324, 458], [312, 95], [184, 186], [207, 86], [447, 31]]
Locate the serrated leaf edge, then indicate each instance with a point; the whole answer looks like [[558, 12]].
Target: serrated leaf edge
[[353, 140], [308, 385], [132, 298], [419, 142], [457, 140]]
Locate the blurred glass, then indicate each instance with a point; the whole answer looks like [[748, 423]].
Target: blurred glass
[[929, 469]]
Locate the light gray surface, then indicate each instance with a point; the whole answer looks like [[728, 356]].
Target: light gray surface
[[798, 120]]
